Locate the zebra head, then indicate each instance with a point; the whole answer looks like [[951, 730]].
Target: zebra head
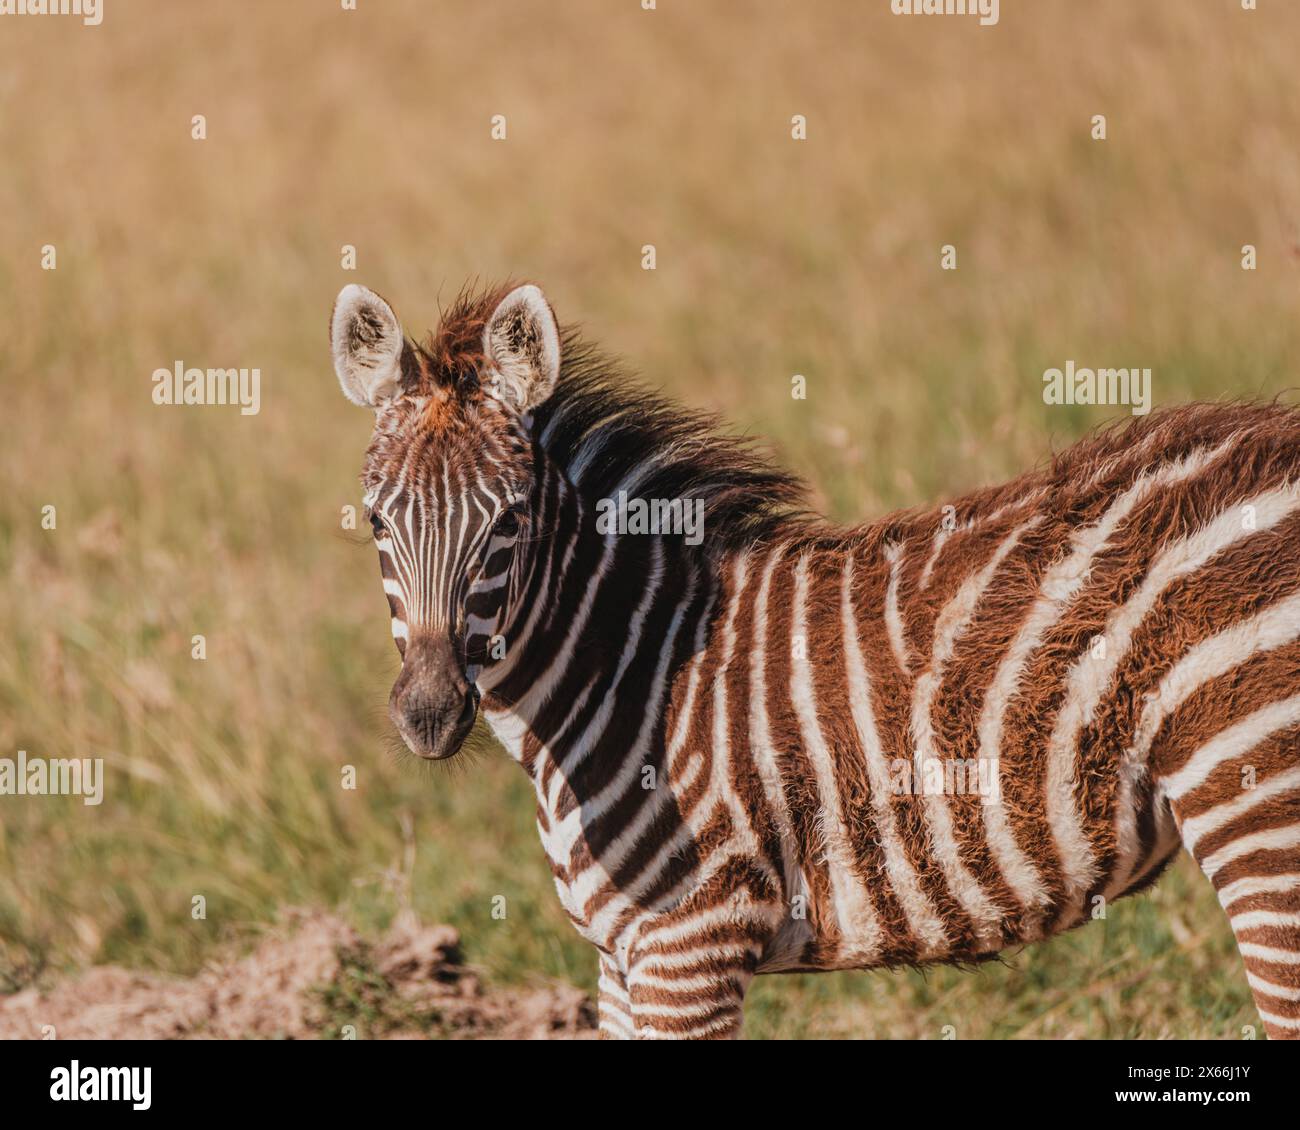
[[448, 484]]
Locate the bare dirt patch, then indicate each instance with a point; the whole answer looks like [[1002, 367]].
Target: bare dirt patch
[[311, 978]]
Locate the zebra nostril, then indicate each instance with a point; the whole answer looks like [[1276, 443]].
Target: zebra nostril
[[468, 711]]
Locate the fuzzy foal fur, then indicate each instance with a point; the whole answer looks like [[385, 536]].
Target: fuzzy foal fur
[[720, 735]]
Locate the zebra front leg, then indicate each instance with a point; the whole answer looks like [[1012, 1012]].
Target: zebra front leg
[[614, 1007], [1237, 800], [688, 974]]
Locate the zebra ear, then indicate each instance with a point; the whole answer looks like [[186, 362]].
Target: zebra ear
[[522, 344], [366, 340]]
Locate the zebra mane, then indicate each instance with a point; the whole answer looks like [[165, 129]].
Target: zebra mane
[[610, 432]]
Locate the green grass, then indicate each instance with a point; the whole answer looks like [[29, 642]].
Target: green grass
[[774, 257]]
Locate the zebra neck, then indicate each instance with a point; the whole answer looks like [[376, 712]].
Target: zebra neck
[[597, 619]]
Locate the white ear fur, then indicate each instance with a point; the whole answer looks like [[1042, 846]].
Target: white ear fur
[[366, 340], [522, 342]]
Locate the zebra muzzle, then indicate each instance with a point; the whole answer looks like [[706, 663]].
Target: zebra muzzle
[[432, 704]]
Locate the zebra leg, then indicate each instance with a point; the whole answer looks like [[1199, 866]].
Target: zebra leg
[[614, 1007], [688, 974], [690, 1002], [1237, 801], [1265, 914]]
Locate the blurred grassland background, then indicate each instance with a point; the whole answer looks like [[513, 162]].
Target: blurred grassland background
[[775, 257]]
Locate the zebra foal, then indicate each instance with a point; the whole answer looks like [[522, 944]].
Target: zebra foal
[[785, 746]]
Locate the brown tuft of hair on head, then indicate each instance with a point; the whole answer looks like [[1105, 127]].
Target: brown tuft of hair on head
[[453, 354]]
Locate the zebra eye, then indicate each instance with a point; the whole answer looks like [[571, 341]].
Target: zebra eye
[[507, 525], [377, 525]]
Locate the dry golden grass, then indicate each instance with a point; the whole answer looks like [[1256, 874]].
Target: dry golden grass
[[625, 127]]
